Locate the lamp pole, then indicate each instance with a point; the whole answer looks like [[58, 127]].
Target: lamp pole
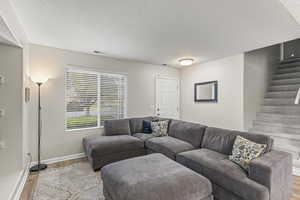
[[39, 166]]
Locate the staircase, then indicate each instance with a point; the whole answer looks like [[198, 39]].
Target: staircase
[[280, 116]]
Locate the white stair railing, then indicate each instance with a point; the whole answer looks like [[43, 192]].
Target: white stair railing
[[297, 100]]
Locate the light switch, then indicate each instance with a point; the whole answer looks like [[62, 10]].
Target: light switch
[[2, 80], [2, 112], [2, 145]]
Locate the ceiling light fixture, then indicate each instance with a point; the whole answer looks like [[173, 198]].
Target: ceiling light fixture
[[186, 61]]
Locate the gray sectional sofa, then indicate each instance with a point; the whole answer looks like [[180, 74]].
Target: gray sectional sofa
[[203, 149]]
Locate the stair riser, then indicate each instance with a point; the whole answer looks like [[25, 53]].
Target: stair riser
[[275, 119], [288, 136], [279, 102], [288, 65], [288, 70], [286, 76], [281, 94], [276, 129], [281, 110], [284, 88], [280, 147], [285, 81], [291, 146]]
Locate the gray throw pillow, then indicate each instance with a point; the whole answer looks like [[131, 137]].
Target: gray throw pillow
[[117, 127]]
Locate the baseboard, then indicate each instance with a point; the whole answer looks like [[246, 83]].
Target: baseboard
[[296, 171], [60, 159], [20, 183]]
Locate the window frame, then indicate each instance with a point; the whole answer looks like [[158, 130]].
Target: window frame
[[98, 72]]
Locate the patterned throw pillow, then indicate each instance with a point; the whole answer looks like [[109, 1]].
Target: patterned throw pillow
[[160, 128], [245, 150]]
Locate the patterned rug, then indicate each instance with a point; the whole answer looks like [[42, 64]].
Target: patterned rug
[[74, 182]]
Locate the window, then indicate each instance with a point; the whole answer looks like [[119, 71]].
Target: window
[[93, 97]]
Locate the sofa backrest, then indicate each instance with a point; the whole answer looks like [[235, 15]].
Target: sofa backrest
[[136, 124], [187, 131], [117, 127], [221, 140]]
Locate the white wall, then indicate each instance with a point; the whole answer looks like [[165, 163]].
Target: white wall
[[52, 62], [11, 124], [228, 112], [259, 66]]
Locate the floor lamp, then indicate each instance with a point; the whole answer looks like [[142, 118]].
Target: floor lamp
[[39, 81]]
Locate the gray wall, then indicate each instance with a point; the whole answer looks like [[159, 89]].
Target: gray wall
[[257, 73], [228, 112], [52, 62], [11, 124]]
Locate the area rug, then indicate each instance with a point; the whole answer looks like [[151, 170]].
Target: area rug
[[74, 182]]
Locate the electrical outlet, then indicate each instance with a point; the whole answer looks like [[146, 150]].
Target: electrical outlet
[[2, 112], [2, 79], [2, 145]]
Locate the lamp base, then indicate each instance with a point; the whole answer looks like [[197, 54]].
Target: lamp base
[[37, 168]]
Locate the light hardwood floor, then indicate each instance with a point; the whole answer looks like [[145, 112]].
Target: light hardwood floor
[[33, 177]]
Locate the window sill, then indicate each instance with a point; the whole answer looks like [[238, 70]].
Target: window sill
[[84, 129]]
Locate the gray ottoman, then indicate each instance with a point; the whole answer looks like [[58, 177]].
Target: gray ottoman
[[153, 177]]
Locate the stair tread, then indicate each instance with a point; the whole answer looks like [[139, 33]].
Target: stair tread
[[286, 80], [275, 124], [279, 115], [284, 88], [279, 98], [274, 78], [288, 64], [286, 92], [287, 73], [283, 106], [281, 135], [293, 67]]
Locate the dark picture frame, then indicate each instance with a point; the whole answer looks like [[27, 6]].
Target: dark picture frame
[[215, 92]]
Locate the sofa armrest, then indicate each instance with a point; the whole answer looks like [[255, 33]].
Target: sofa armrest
[[274, 170]]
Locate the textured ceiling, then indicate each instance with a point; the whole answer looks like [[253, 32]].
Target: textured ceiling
[[157, 31], [293, 6]]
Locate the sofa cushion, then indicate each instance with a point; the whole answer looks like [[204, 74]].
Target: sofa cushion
[[168, 146], [221, 171], [116, 127], [222, 140], [97, 145], [187, 131], [143, 136], [136, 124]]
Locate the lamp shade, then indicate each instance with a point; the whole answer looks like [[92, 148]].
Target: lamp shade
[[39, 79]]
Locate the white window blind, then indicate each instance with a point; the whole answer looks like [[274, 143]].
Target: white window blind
[[93, 97]]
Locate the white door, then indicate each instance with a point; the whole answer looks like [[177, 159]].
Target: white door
[[167, 97]]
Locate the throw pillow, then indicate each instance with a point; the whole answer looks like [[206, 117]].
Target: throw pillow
[[147, 126], [245, 150], [160, 128]]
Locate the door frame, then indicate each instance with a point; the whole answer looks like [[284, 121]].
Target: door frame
[[160, 76]]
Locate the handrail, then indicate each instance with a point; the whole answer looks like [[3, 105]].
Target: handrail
[[297, 100]]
